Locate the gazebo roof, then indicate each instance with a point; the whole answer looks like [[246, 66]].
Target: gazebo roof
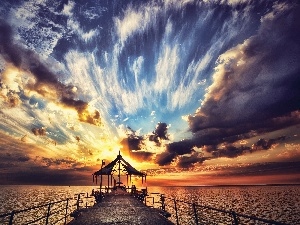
[[108, 169]]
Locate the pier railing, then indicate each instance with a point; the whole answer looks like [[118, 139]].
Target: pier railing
[[181, 212], [57, 212], [187, 213], [50, 213]]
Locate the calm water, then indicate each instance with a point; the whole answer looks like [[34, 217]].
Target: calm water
[[280, 203]]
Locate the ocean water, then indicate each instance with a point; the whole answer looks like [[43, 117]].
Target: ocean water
[[279, 203]]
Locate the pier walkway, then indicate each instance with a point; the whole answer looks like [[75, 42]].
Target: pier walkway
[[120, 208]]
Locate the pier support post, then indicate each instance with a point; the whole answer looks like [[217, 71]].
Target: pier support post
[[195, 214]]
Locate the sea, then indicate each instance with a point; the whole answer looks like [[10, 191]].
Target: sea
[[279, 203]]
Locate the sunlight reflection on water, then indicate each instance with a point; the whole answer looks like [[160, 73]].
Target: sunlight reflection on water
[[23, 196], [280, 203]]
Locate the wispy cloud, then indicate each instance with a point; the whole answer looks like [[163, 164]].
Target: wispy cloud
[[135, 20], [166, 69]]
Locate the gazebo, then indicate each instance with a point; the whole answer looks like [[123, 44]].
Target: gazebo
[[117, 167]]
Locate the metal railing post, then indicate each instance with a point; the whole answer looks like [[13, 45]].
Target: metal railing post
[[176, 213], [11, 217], [195, 213], [67, 205], [48, 213], [162, 198], [77, 203], [236, 222]]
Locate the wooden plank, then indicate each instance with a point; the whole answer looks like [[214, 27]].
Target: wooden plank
[[120, 208]]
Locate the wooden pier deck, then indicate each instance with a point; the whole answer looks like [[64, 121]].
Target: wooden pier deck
[[120, 208]]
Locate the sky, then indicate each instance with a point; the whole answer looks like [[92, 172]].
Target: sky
[[202, 92]]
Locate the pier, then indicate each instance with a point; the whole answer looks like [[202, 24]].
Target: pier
[[116, 203], [120, 207]]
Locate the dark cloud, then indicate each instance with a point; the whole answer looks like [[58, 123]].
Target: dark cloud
[[47, 83], [255, 91], [9, 50], [190, 161], [270, 168], [45, 176], [165, 158], [23, 158], [187, 156], [230, 151], [181, 147], [141, 156], [256, 84], [20, 169], [57, 162], [133, 141], [160, 133], [13, 158], [19, 166], [265, 144], [39, 131], [84, 114], [173, 150]]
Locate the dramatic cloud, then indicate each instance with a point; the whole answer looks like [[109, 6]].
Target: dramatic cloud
[[187, 156], [255, 84], [13, 158], [173, 150], [126, 65], [141, 156], [69, 163], [263, 144], [160, 133], [230, 151], [82, 108], [165, 158], [190, 161], [133, 141], [44, 176], [45, 81], [260, 169], [25, 163]]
